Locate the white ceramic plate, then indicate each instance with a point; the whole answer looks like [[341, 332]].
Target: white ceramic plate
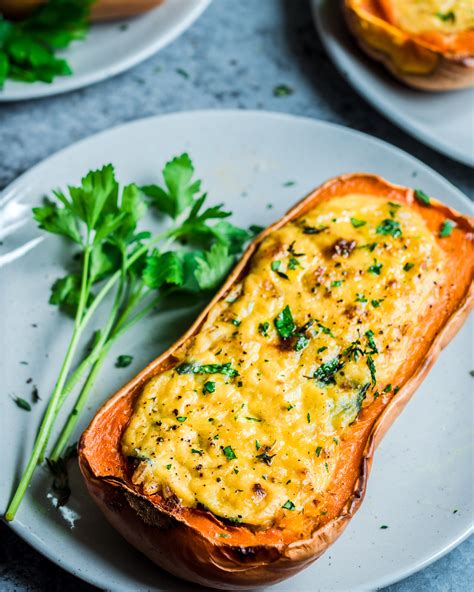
[[422, 471], [443, 121], [111, 48]]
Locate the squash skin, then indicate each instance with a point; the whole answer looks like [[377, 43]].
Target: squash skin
[[414, 61], [102, 10], [183, 540]]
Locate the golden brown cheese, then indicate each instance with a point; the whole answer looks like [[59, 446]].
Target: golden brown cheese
[[249, 421], [444, 16]]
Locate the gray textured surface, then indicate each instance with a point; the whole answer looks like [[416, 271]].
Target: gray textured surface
[[235, 55]]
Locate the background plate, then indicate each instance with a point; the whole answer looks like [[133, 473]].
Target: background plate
[[422, 472], [444, 121], [111, 48]]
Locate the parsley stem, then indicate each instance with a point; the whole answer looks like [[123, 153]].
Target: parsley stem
[[50, 415], [81, 401]]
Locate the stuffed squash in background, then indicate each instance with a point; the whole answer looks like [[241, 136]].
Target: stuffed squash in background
[[428, 44], [238, 456]]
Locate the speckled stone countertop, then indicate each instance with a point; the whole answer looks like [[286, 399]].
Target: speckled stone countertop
[[234, 56]]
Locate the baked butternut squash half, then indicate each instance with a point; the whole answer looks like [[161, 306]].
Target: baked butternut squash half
[[428, 44], [239, 455]]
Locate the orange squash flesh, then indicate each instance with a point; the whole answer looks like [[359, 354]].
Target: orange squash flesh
[[195, 545], [429, 60]]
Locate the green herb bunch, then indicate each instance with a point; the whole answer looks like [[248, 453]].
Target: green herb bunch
[[135, 267], [28, 47]]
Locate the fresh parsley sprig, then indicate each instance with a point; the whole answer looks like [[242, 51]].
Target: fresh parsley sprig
[[102, 220], [28, 48]]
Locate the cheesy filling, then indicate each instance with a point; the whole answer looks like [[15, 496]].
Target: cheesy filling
[[249, 421], [444, 16]]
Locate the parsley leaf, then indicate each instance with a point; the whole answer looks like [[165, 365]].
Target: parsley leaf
[[326, 373], [22, 404], [189, 368], [123, 361], [284, 323], [375, 268], [422, 197], [288, 505], [180, 188], [229, 453], [389, 227], [166, 268], [447, 228], [356, 223]]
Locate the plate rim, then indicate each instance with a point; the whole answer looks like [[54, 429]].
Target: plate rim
[[410, 126], [22, 530], [94, 77]]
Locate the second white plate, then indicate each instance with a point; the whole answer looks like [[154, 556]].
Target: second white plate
[[443, 121], [111, 48]]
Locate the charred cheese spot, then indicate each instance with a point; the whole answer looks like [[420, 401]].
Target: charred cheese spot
[[308, 351]]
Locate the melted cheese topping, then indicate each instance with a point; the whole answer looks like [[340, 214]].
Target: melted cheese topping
[[259, 437], [444, 16]]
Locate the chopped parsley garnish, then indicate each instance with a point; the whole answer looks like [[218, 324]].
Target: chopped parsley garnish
[[375, 268], [275, 265], [189, 368], [356, 223], [263, 328], [293, 263], [209, 387], [314, 230], [337, 283], [284, 323], [195, 451], [290, 407], [447, 228], [388, 388], [383, 527], [326, 372], [376, 303], [253, 419], [236, 322], [257, 444], [288, 505], [229, 453], [308, 417], [123, 361], [361, 298], [321, 349], [370, 340], [22, 404], [282, 90], [389, 227], [447, 17], [325, 330], [318, 451], [168, 467], [422, 197], [370, 247], [301, 342], [181, 418], [371, 365], [408, 266], [265, 457], [223, 535]]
